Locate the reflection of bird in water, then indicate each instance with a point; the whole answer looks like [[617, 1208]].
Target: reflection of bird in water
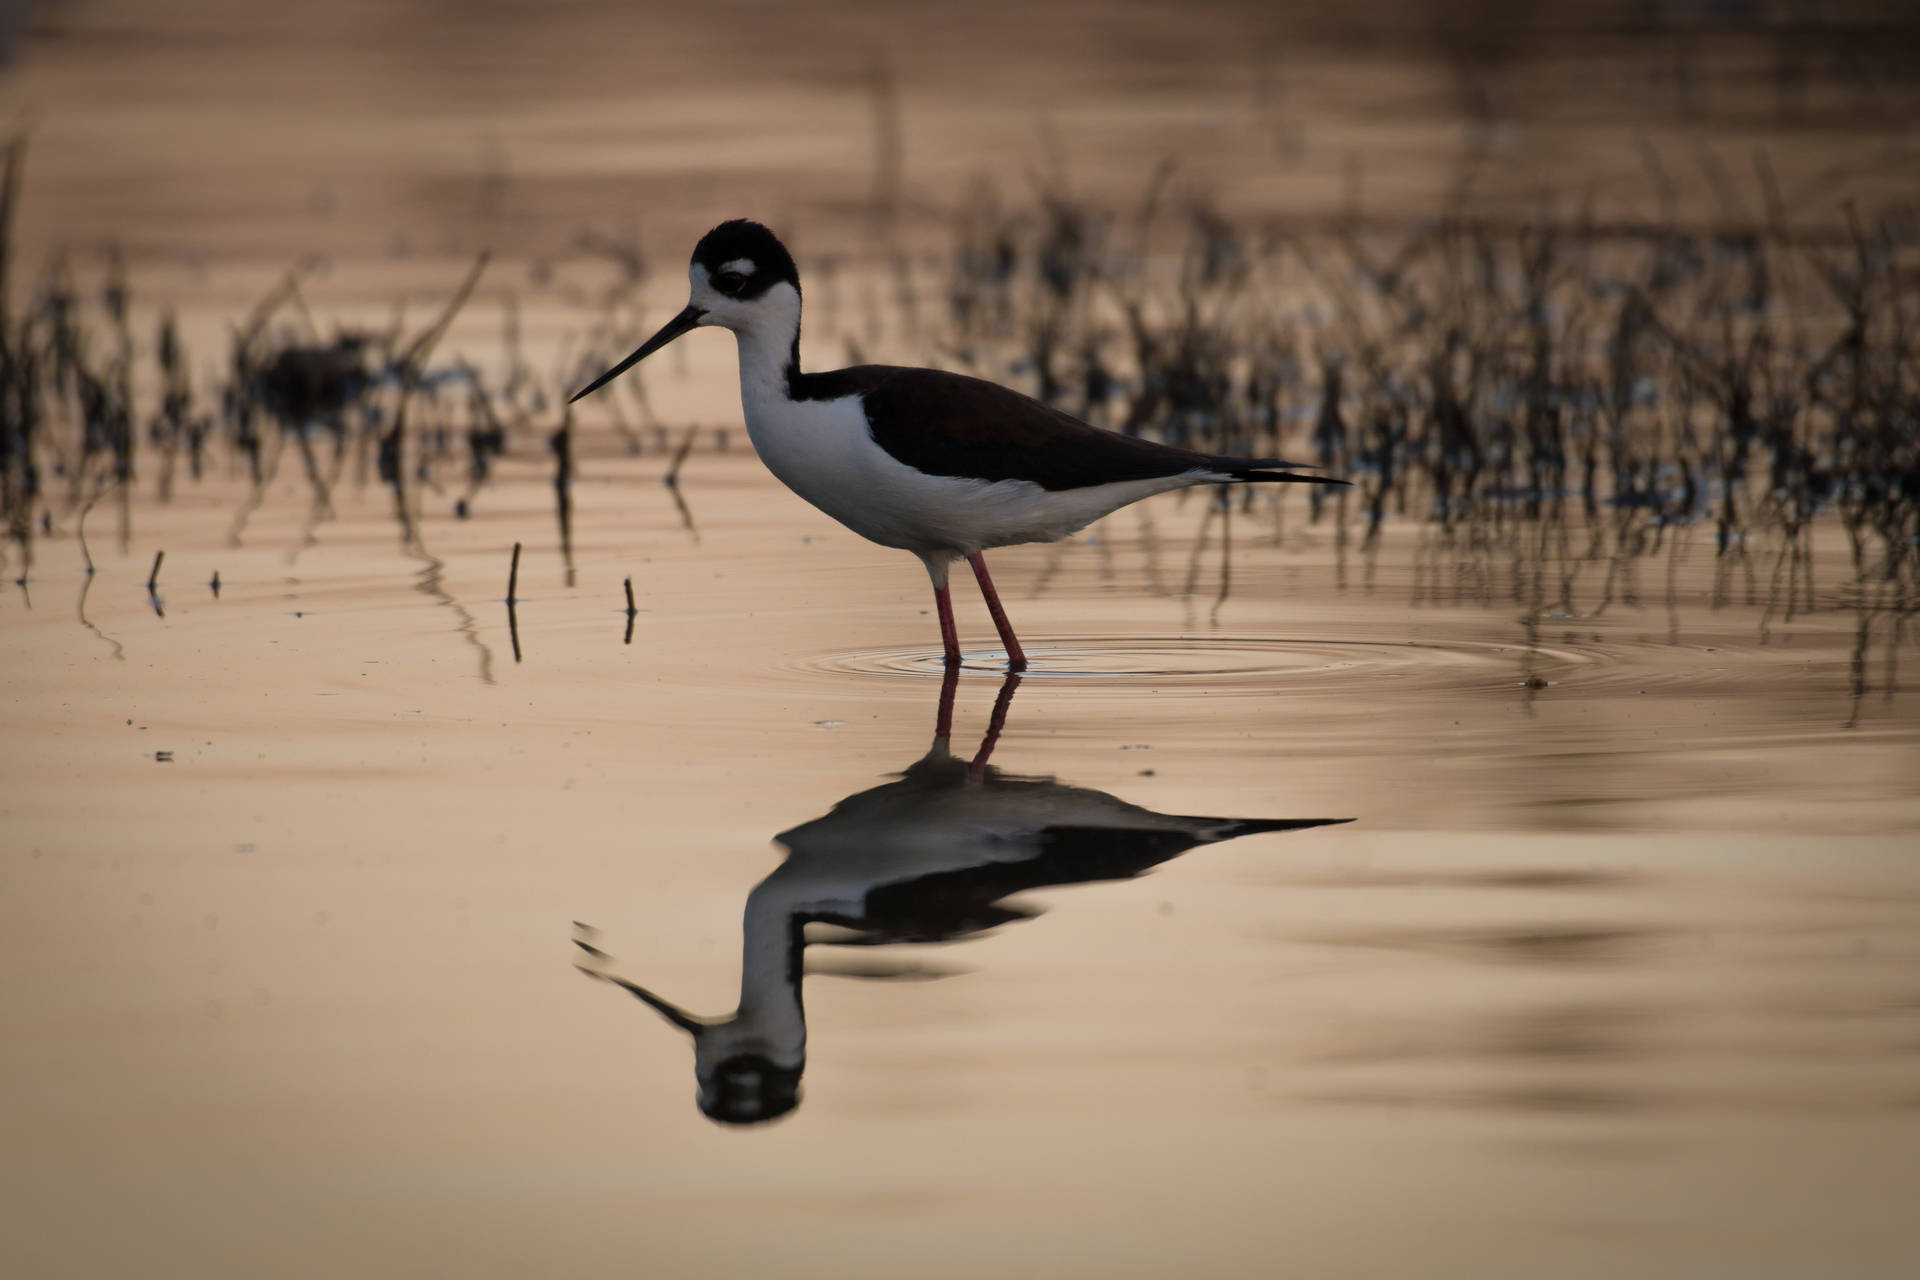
[[935, 463], [929, 857]]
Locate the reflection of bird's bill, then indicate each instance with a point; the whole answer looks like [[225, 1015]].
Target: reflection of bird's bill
[[665, 1008], [687, 319]]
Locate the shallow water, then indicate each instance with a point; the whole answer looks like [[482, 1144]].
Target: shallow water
[[1603, 962], [1619, 968]]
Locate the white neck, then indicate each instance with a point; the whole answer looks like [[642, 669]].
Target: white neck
[[769, 1019], [769, 978], [767, 345]]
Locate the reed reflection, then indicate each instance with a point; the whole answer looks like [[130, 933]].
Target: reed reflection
[[932, 856]]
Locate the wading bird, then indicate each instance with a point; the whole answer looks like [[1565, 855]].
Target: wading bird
[[936, 463]]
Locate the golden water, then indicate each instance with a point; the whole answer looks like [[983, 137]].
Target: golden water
[[1615, 974], [1620, 967]]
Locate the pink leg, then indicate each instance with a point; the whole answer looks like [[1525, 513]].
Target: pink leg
[[1016, 660], [949, 635]]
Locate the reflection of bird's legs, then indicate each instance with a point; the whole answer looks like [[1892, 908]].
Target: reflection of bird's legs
[[1016, 660], [995, 723], [943, 720]]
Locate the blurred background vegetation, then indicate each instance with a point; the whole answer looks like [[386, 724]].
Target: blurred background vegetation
[[229, 129]]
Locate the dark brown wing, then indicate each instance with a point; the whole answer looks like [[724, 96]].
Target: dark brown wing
[[948, 424]]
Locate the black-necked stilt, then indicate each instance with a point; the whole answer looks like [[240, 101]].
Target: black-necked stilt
[[930, 857], [939, 464]]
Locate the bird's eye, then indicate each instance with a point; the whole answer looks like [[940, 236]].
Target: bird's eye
[[729, 282]]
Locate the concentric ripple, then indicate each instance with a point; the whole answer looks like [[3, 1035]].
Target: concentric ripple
[[1242, 662]]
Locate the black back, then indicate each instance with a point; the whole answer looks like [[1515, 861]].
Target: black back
[[949, 424]]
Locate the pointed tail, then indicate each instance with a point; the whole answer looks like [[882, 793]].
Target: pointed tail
[[1255, 471]]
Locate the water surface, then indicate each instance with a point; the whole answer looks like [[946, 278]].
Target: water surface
[[1620, 965]]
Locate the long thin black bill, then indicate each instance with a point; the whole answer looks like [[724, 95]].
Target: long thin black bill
[[668, 332]]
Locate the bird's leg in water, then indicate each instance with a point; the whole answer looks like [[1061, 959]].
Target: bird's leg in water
[[949, 635], [1016, 660]]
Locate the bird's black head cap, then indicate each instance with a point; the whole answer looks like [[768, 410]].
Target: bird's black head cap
[[743, 259]]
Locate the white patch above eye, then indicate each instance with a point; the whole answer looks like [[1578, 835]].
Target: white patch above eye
[[745, 266]]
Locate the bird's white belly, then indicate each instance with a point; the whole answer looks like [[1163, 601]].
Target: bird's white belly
[[823, 451]]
